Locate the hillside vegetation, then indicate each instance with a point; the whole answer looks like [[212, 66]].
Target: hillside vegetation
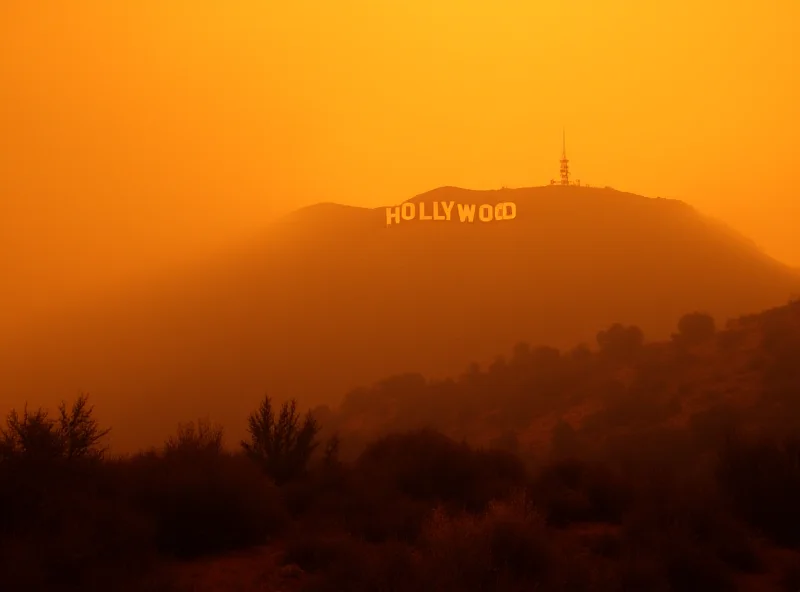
[[333, 289], [622, 466]]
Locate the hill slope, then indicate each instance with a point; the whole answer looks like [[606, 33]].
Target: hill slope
[[332, 298], [744, 376]]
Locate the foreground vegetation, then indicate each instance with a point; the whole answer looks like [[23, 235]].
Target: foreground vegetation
[[671, 466]]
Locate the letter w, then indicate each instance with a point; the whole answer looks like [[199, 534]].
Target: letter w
[[466, 211]]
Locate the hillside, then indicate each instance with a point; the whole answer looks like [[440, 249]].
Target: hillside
[[704, 401], [744, 375], [331, 299], [666, 466]]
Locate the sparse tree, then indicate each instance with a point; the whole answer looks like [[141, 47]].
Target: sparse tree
[[79, 431], [31, 436], [35, 436], [282, 445]]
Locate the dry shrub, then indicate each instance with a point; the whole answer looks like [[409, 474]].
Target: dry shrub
[[506, 548], [80, 542], [685, 526], [762, 478], [205, 504], [344, 563], [428, 466], [576, 491]]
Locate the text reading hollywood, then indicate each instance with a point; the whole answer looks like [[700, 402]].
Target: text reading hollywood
[[444, 211]]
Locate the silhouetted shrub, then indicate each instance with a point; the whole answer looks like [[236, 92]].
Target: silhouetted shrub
[[343, 498], [581, 353], [710, 426], [684, 516], [650, 452], [35, 437], [379, 514], [282, 446], [576, 491], [781, 342], [651, 516], [362, 567], [204, 504], [695, 328], [506, 548], [86, 544], [696, 545], [679, 566], [790, 578], [196, 439], [507, 442], [315, 552], [689, 569], [631, 409], [521, 353], [427, 465], [62, 527], [331, 453], [42, 458], [778, 336], [763, 480], [544, 358], [730, 339], [564, 440], [619, 342]]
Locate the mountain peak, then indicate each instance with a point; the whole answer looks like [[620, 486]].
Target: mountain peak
[[555, 192]]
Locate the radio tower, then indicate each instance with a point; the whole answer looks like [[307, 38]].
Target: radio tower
[[564, 161]]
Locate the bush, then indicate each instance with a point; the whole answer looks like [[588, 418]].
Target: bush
[[507, 547], [35, 437], [378, 514], [81, 543], [314, 552], [710, 426], [42, 458], [695, 328], [361, 567], [576, 491], [762, 479], [426, 465], [730, 339], [619, 342], [564, 441], [196, 439], [201, 506], [680, 517]]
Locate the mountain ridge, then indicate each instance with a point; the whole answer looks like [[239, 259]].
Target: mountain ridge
[[335, 290]]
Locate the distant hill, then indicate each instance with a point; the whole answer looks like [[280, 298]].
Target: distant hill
[[331, 299], [744, 375]]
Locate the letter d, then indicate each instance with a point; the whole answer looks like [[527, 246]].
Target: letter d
[[509, 210]]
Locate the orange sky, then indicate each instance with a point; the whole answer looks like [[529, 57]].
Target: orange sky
[[137, 136]]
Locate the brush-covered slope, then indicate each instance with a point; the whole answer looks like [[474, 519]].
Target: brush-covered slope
[[532, 399], [332, 298]]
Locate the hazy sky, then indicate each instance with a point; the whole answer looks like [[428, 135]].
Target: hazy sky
[[135, 134]]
